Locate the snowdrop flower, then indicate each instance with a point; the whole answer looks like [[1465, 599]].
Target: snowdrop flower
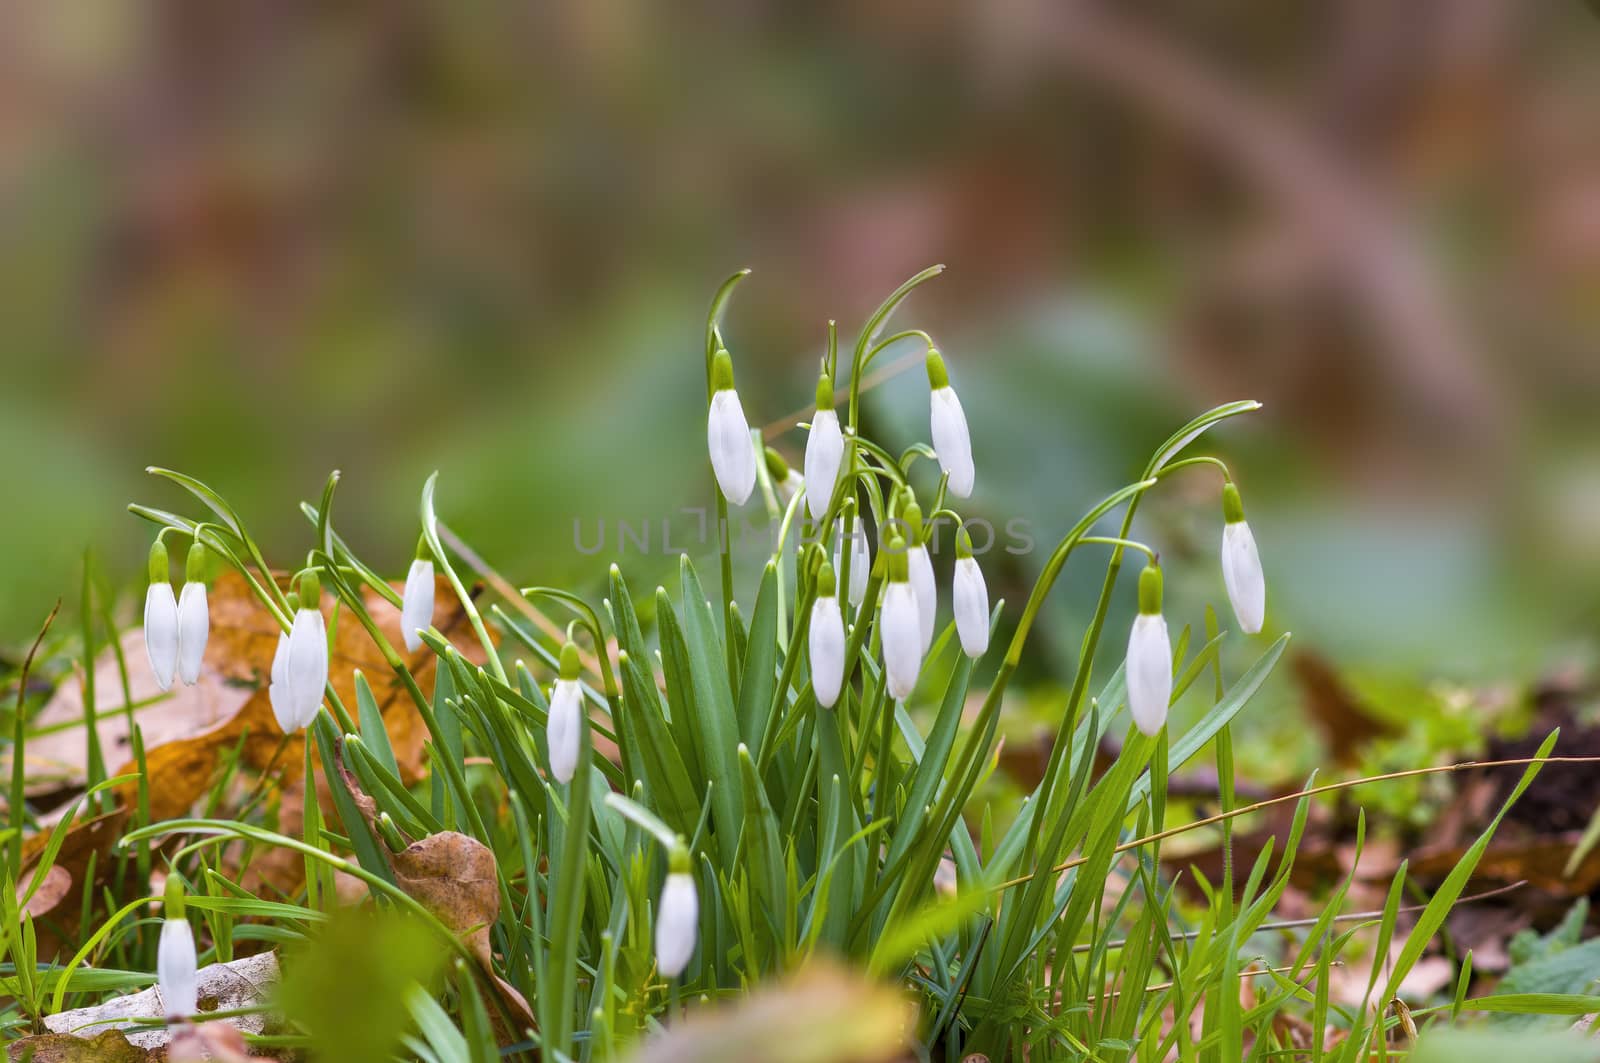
[[826, 639], [278, 687], [677, 917], [161, 619], [860, 560], [1241, 564], [175, 958], [920, 568], [305, 671], [194, 617], [824, 451], [970, 598], [1149, 667], [563, 731], [416, 605], [948, 427], [785, 481], [733, 456], [900, 624]]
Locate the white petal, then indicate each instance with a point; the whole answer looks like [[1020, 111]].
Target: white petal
[[1149, 672], [194, 628], [902, 639], [1241, 571], [860, 562], [161, 632], [824, 452], [416, 605], [175, 968], [677, 924], [561, 732], [970, 597], [926, 589], [306, 670], [951, 440], [827, 650], [278, 686], [733, 455]]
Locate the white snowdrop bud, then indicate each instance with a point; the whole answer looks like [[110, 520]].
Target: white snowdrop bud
[[1241, 564], [161, 619], [416, 605], [826, 639], [919, 567], [824, 451], [677, 918], [733, 455], [563, 732], [952, 442], [176, 964], [969, 596], [194, 617], [900, 625], [1149, 665], [306, 668]]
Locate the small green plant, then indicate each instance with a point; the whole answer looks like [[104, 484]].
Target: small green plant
[[724, 795]]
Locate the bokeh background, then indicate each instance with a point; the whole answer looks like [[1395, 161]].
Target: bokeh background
[[257, 240]]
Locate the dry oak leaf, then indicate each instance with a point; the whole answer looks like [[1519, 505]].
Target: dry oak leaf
[[87, 841]]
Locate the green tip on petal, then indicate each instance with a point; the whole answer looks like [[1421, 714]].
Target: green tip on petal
[[194, 567], [678, 862], [158, 563], [937, 377], [310, 590], [963, 543], [1150, 590], [912, 515], [777, 468], [173, 901], [1232, 505], [571, 667], [824, 392], [894, 549], [722, 371], [827, 582]]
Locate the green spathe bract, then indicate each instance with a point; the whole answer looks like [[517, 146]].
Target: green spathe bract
[[718, 827]]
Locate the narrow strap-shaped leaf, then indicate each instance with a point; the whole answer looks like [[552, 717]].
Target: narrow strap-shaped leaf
[[759, 677], [711, 708]]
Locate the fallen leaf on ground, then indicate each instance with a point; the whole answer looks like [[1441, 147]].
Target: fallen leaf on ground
[[88, 841]]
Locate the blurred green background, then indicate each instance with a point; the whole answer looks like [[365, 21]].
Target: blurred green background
[[257, 240]]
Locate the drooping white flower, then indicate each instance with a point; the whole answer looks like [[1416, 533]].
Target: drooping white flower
[[952, 442], [860, 561], [306, 667], [1149, 664], [733, 455], [176, 964], [194, 628], [969, 595], [416, 605], [278, 687], [194, 617], [1241, 565], [920, 568], [563, 730], [161, 618], [900, 625], [824, 451], [677, 919], [826, 640]]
